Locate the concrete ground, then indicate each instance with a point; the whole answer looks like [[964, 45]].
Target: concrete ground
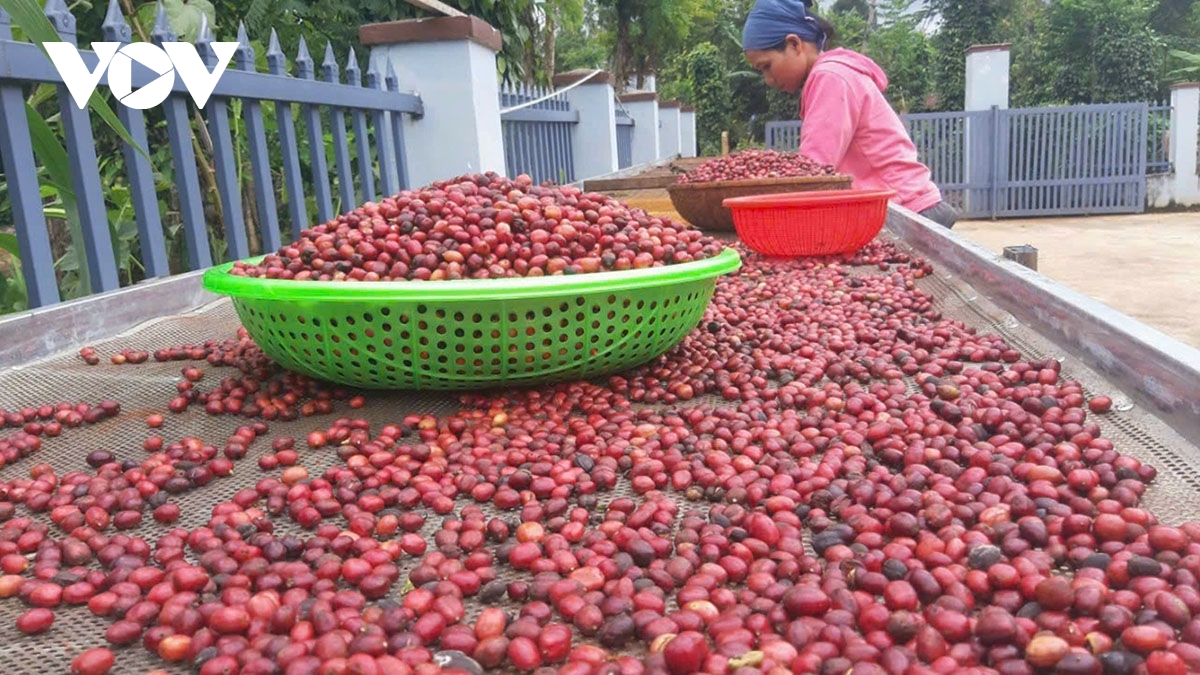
[[1146, 266]]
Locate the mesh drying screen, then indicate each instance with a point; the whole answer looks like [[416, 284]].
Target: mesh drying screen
[[1175, 495], [147, 388]]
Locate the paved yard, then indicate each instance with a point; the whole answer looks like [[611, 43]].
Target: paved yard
[[1146, 266]]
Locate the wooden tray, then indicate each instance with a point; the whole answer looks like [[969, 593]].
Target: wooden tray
[[656, 178], [701, 203]]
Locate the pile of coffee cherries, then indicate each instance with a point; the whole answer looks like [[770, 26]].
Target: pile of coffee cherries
[[826, 476], [754, 164], [483, 227]]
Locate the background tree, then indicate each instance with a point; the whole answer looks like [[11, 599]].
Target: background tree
[[963, 24], [1178, 22], [556, 15], [1090, 51]]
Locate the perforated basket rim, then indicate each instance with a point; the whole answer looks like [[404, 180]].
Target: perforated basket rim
[[800, 200], [218, 280]]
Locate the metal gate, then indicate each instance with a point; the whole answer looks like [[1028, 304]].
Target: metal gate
[[1070, 160]]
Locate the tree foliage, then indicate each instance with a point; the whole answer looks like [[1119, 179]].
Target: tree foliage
[[1090, 51], [644, 33], [522, 24], [710, 93], [964, 23]]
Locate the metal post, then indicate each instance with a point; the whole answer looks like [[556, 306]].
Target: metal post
[[1024, 255], [997, 162]]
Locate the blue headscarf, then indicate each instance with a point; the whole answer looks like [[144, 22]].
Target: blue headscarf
[[771, 21]]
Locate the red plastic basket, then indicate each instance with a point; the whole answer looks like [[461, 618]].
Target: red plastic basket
[[810, 223]]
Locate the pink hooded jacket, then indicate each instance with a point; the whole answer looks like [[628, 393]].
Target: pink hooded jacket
[[850, 125]]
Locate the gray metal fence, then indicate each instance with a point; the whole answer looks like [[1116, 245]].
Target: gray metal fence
[[537, 138], [1030, 161], [1071, 160], [942, 141], [783, 135], [1158, 129], [624, 139], [370, 143]]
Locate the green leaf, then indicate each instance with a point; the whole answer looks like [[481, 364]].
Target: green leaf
[[67, 263], [8, 242], [184, 16], [50, 151]]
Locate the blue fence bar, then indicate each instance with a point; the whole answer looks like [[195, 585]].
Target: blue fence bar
[[537, 137], [141, 175], [624, 139], [318, 164], [29, 221], [225, 162], [85, 173], [373, 110]]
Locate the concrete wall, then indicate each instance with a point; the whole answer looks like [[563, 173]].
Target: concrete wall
[[668, 140], [1185, 130], [460, 132], [645, 129], [986, 87], [594, 139], [687, 134]]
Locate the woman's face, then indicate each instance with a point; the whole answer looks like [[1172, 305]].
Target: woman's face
[[784, 69]]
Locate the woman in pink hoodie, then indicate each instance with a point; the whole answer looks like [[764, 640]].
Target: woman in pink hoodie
[[848, 123]]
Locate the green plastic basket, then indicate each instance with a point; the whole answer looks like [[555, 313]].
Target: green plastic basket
[[446, 335]]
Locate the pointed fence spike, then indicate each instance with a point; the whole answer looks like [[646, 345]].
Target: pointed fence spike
[[162, 26], [204, 40], [5, 25], [61, 18], [244, 56], [276, 61], [115, 28], [304, 62], [392, 80], [205, 33], [353, 72], [374, 77], [329, 66]]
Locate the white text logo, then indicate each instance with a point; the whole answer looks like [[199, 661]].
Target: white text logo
[[171, 58]]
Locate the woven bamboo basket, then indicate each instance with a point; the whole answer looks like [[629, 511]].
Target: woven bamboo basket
[[701, 203]]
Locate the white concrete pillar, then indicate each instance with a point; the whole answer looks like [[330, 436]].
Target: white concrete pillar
[[643, 108], [650, 84], [450, 62], [687, 131], [987, 70], [987, 77], [1185, 113], [594, 138], [668, 139]]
